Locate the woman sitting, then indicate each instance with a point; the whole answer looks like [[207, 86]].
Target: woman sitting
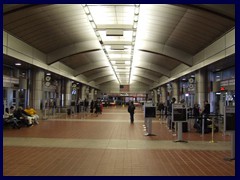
[[32, 112]]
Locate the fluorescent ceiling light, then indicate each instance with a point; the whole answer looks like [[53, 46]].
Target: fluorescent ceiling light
[[86, 10], [136, 11], [90, 17], [93, 25], [107, 14]]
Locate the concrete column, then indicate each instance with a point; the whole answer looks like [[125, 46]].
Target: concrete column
[[97, 94], [9, 101], [155, 97], [37, 98], [91, 94], [175, 90], [163, 97], [84, 92], [58, 98], [201, 94], [68, 93]]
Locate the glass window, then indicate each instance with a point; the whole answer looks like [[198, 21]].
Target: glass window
[[228, 74]]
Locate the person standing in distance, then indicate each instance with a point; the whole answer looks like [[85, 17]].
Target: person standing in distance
[[131, 109]]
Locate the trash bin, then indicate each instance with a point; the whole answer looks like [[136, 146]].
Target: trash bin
[[68, 111]]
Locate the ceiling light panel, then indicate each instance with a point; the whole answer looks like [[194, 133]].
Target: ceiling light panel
[[127, 36], [121, 56], [110, 14], [115, 27]]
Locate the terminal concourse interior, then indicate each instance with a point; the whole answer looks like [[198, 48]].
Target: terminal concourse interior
[[58, 58]]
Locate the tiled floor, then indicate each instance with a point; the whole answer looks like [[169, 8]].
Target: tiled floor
[[108, 145]]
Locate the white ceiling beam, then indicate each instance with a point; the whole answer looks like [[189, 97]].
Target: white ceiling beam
[[142, 80], [105, 79], [146, 75], [99, 75], [161, 49], [89, 67], [81, 47], [154, 68]]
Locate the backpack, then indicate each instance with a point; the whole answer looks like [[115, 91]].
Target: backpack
[[131, 108]]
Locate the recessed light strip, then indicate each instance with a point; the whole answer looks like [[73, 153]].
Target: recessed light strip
[[93, 24], [135, 23]]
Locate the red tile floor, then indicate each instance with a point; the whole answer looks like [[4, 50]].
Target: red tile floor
[[108, 145]]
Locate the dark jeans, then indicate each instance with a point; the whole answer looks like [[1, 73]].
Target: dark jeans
[[132, 117]]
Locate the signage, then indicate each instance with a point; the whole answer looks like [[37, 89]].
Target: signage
[[150, 112], [222, 88], [229, 118], [179, 113], [230, 82]]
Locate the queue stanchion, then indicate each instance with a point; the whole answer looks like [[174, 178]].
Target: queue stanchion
[[232, 147], [174, 128], [54, 111], [212, 140], [203, 121], [45, 114], [229, 123]]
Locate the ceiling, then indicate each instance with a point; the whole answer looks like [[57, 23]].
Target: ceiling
[[118, 42]]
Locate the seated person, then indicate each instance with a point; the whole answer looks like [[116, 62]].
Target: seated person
[[10, 119], [21, 115], [32, 112]]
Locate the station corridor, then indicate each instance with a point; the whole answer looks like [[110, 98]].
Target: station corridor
[[108, 145]]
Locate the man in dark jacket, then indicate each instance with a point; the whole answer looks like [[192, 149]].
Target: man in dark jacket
[[131, 109], [206, 110]]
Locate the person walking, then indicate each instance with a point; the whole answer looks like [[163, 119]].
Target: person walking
[[131, 109]]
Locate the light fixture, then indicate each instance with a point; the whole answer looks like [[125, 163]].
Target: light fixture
[[93, 24], [86, 9], [136, 11], [90, 18], [135, 23], [119, 52], [18, 64]]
